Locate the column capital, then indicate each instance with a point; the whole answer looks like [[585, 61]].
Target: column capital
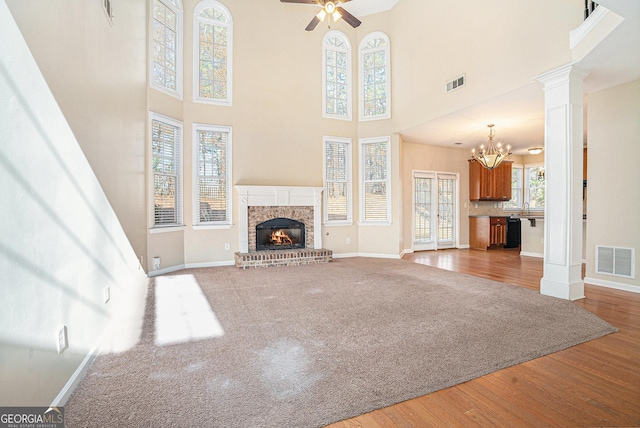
[[561, 75]]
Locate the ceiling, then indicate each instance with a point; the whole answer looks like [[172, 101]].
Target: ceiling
[[519, 115]]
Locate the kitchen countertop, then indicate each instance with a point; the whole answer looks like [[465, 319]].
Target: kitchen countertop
[[536, 216]]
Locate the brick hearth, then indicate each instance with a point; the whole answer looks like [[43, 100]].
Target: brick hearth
[[301, 256]]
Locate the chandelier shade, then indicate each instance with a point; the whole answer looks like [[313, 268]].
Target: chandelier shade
[[493, 154]]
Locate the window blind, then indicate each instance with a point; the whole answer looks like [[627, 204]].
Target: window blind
[[166, 141], [213, 193], [337, 180], [376, 204]]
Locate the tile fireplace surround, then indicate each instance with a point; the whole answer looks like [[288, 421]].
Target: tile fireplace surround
[[260, 203]]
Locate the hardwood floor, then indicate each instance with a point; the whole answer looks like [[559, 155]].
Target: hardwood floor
[[593, 384]]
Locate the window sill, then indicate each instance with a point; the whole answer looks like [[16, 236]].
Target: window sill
[[166, 229], [212, 226], [374, 223]]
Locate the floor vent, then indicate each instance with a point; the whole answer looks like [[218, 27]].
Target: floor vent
[[615, 261], [456, 83]]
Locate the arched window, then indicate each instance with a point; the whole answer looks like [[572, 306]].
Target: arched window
[[375, 77], [165, 68], [336, 76], [213, 48]]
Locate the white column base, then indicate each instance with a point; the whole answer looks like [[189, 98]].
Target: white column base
[[568, 291]]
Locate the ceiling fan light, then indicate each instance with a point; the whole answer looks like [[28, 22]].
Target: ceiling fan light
[[321, 15], [329, 7], [336, 16]]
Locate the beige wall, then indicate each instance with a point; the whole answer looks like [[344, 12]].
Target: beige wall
[[277, 99], [420, 157], [613, 201], [277, 103], [276, 118], [500, 46], [97, 73], [61, 244]]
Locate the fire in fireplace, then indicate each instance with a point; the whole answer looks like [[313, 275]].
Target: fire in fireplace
[[280, 234]]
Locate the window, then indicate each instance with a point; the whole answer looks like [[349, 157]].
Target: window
[[375, 180], [527, 187], [336, 62], [337, 180], [534, 186], [213, 34], [516, 189], [212, 175], [166, 47], [375, 78], [166, 159]]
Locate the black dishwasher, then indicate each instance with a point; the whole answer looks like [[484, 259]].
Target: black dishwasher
[[513, 233]]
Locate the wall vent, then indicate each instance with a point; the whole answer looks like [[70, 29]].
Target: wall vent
[[615, 261], [456, 83]]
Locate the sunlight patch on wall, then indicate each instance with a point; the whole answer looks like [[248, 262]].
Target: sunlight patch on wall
[[183, 313]]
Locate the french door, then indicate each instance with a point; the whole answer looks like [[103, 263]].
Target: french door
[[434, 207]]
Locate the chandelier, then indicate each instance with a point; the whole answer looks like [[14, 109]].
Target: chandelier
[[493, 154]]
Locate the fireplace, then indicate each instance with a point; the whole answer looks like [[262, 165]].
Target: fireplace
[[299, 207], [280, 234]]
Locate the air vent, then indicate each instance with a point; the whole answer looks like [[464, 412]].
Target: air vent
[[456, 83], [615, 261]]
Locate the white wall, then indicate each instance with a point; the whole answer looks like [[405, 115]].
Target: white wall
[[61, 243]]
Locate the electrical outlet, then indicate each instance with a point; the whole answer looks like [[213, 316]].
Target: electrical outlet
[[156, 263], [348, 240], [63, 339], [106, 294], [227, 246]]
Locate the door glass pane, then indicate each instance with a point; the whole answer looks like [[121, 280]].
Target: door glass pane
[[422, 209], [446, 206]]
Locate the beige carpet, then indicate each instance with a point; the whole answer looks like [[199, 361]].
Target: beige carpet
[[309, 345]]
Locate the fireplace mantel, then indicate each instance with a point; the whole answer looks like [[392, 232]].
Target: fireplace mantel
[[278, 196]]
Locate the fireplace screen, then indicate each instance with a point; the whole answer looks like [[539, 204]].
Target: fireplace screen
[[280, 234]]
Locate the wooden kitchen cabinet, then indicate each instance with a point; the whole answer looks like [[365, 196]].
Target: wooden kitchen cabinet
[[485, 185], [498, 231], [486, 232]]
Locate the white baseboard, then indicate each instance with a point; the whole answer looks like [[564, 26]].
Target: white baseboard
[[210, 264], [406, 251], [372, 255], [153, 273], [612, 284], [190, 266], [76, 377], [538, 255]]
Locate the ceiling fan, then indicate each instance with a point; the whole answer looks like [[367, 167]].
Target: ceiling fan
[[330, 8]]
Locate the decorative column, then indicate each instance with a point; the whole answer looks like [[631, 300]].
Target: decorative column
[[564, 116]]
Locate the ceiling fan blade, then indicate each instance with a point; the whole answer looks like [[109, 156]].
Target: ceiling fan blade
[[313, 24], [350, 19], [300, 1]]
